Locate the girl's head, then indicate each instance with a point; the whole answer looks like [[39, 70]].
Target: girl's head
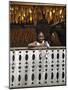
[[42, 30], [41, 37]]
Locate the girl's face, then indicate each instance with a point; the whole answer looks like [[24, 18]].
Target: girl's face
[[41, 36]]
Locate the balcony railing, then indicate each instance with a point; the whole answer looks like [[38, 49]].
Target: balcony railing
[[39, 66]]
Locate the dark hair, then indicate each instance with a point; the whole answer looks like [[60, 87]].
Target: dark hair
[[42, 26]]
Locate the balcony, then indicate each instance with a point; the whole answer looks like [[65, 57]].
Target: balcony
[[38, 66]]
